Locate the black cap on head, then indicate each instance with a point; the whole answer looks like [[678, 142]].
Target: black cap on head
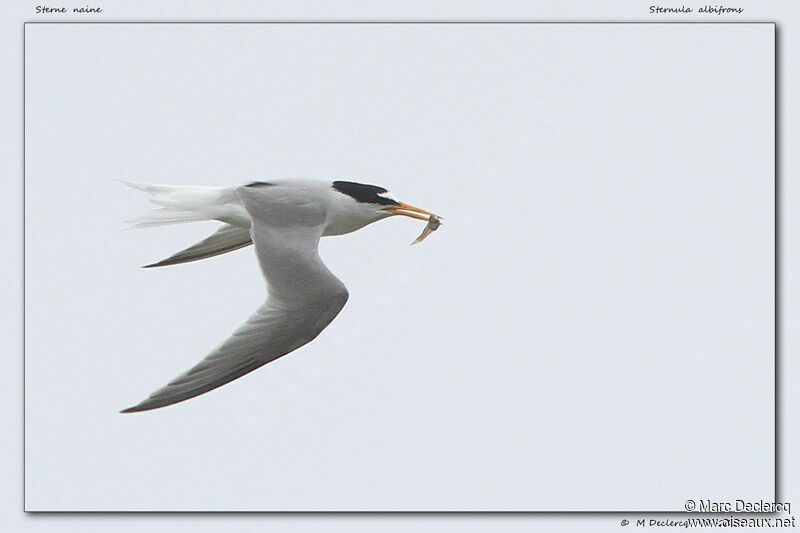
[[365, 194]]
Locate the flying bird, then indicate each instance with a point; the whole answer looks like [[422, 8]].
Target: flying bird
[[284, 220]]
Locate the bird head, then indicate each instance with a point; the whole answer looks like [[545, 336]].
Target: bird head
[[370, 203]]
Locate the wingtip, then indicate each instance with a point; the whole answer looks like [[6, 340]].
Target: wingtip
[[163, 262], [139, 407]]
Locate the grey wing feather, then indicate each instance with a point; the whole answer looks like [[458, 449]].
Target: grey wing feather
[[303, 298], [225, 239], [267, 335]]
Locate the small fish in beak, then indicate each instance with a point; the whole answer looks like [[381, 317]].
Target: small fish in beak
[[433, 224], [434, 221]]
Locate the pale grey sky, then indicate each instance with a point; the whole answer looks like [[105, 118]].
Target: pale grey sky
[[595, 314]]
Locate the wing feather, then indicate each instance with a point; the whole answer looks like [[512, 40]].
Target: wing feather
[[225, 239]]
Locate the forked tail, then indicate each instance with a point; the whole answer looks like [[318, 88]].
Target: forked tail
[[179, 204], [185, 203]]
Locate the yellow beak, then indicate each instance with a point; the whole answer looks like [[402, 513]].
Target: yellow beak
[[408, 211]]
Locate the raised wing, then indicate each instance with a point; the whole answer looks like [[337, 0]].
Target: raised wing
[[303, 296]]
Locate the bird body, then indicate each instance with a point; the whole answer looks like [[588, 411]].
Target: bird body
[[284, 219], [186, 203]]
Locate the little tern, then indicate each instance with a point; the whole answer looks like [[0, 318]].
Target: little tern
[[284, 220]]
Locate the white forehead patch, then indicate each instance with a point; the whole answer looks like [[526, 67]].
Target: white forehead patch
[[388, 196]]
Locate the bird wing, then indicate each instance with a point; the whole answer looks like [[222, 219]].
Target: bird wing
[[303, 295], [226, 239]]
